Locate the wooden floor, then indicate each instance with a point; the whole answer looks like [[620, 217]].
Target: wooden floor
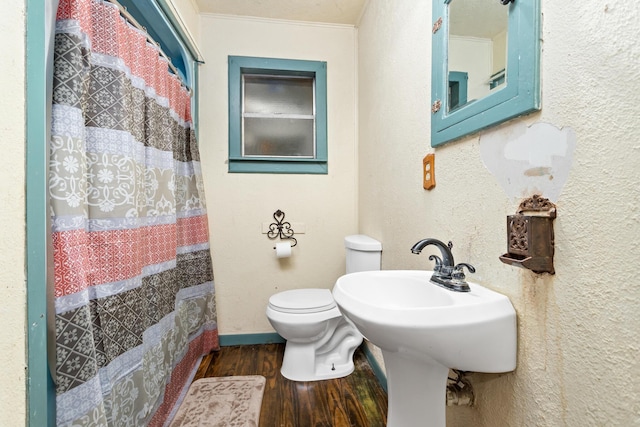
[[357, 400]]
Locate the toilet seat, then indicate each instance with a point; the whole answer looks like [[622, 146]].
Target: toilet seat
[[302, 301]]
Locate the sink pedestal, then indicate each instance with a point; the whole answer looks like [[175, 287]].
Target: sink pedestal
[[416, 390], [423, 330]]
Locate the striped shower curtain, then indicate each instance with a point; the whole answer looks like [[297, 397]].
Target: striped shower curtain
[[134, 293]]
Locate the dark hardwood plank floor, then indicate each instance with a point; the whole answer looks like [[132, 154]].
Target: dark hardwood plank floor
[[357, 400]]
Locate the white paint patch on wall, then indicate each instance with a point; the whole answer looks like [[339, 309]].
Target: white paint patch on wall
[[529, 160]]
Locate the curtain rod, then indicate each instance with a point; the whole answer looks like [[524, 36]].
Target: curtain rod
[[125, 13], [183, 30]]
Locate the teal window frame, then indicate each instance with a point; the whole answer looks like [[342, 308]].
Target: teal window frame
[[239, 65], [521, 93]]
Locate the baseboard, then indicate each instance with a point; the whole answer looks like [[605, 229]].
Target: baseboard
[[249, 339], [377, 370]]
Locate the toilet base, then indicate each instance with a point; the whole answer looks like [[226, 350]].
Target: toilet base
[[296, 371], [302, 362]]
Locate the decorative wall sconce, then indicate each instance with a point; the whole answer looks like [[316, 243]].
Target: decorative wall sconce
[[530, 239]]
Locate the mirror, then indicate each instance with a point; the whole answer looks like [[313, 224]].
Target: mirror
[[476, 50], [485, 64]]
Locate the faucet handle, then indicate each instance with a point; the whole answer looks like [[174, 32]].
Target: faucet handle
[[458, 270], [438, 261]]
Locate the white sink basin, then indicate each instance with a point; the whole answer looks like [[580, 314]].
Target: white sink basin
[[423, 330]]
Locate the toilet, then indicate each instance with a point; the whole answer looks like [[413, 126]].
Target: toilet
[[320, 341]]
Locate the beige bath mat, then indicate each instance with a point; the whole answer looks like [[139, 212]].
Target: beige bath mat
[[222, 401]]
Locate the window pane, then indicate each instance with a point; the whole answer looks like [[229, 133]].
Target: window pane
[[278, 95], [278, 137]]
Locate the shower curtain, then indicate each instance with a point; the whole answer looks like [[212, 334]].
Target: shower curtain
[[134, 294]]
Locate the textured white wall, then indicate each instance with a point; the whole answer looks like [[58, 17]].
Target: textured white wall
[[12, 218], [246, 270], [579, 330]]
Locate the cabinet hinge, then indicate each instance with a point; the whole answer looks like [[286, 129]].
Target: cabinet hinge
[[437, 25]]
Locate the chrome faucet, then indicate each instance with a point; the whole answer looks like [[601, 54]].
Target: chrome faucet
[[446, 272]]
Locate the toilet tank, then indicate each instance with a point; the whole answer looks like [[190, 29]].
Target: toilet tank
[[363, 253]]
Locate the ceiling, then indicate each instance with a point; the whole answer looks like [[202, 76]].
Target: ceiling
[[478, 18], [326, 11]]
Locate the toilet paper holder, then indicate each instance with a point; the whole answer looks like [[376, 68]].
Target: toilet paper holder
[[281, 228]]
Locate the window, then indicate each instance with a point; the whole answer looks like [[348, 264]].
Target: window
[[277, 116]]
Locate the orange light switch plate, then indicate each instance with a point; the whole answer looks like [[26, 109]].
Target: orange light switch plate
[[428, 172]]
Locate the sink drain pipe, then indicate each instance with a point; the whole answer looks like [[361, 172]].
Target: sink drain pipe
[[459, 390]]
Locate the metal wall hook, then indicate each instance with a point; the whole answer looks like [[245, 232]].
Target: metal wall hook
[[281, 228]]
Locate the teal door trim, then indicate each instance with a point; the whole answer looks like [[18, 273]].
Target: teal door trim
[[178, 26], [40, 398]]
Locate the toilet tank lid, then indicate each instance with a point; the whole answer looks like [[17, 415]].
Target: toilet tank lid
[[361, 242]]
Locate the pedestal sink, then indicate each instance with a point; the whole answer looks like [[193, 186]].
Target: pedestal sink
[[423, 330]]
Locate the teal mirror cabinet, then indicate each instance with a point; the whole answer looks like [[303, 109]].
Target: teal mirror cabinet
[[509, 85]]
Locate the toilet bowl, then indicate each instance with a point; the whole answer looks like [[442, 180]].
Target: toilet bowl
[[320, 341]]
